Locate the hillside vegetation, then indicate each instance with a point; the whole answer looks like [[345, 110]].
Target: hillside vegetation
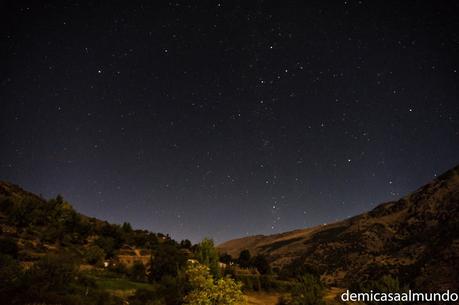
[[50, 254], [415, 239]]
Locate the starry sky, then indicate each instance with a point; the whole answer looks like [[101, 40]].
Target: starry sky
[[227, 119]]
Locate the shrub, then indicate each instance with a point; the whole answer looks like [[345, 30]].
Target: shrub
[[94, 255], [168, 260], [9, 247], [261, 263], [144, 296], [308, 291], [384, 284], [244, 259], [207, 254], [206, 291], [137, 272]]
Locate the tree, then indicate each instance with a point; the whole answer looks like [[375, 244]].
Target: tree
[[59, 199], [185, 244], [20, 213], [52, 273], [114, 232], [261, 263], [226, 258], [206, 291], [94, 255], [137, 272], [244, 259], [167, 260], [126, 227], [173, 288], [207, 254], [296, 268], [108, 244]]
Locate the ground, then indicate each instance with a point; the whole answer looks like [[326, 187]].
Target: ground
[[262, 298], [331, 297]]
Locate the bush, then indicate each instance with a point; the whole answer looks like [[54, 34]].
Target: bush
[[384, 284], [307, 291], [137, 272], [118, 268], [52, 272], [9, 247], [52, 280], [173, 288], [146, 297], [168, 260], [296, 268], [249, 282], [204, 290], [107, 244], [244, 259], [94, 255], [10, 270]]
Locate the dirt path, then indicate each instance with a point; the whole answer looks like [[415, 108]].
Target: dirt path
[[261, 298], [332, 295]]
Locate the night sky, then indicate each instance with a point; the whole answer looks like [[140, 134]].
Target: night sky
[[224, 120]]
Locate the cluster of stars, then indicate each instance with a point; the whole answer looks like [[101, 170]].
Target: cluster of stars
[[216, 118]]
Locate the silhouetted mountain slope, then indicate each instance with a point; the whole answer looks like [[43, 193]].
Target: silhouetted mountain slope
[[40, 226], [415, 238]]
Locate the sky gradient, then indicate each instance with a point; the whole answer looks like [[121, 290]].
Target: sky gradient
[[224, 119]]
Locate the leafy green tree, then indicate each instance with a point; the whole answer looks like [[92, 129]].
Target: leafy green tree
[[207, 254], [244, 259], [206, 291]]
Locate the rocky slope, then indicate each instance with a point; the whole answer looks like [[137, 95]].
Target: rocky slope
[[415, 238]]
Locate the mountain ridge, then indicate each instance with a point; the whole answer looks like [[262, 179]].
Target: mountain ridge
[[414, 238]]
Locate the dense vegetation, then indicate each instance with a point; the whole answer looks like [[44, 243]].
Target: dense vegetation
[[50, 254]]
